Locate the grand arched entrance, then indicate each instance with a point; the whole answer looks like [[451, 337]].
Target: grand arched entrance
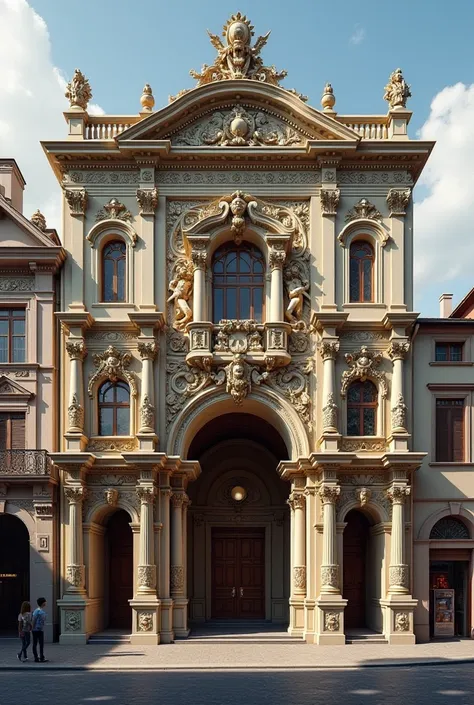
[[14, 570], [238, 534], [119, 577]]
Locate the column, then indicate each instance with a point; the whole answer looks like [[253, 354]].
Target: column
[[146, 566], [397, 353], [75, 570], [401, 288], [398, 571], [276, 260], [329, 350], [329, 204], [177, 567], [329, 567], [147, 199], [76, 350], [297, 502], [199, 258], [166, 634], [148, 351]]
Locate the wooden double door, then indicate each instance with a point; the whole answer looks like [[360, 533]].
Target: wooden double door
[[238, 574]]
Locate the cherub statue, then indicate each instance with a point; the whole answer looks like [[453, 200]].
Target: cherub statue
[[297, 286], [397, 90], [181, 286]]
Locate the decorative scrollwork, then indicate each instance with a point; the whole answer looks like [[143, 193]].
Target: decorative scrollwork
[[112, 364], [364, 209], [363, 365]]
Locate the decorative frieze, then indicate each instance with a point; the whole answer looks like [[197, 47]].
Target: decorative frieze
[[181, 286], [217, 177], [367, 445], [114, 444]]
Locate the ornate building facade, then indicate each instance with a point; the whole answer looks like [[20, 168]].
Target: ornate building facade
[[235, 358], [31, 257]]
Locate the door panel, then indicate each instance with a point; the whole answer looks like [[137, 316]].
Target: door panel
[[355, 549], [120, 539], [238, 572]]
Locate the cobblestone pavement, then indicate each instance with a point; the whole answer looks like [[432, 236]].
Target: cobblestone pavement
[[195, 656], [388, 686]]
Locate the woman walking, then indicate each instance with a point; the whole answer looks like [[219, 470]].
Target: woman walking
[[24, 629]]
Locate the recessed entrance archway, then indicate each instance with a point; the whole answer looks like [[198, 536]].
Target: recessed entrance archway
[[14, 570], [119, 569], [238, 534]]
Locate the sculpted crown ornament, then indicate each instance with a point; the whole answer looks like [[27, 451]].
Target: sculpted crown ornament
[[78, 91], [112, 364], [39, 220], [363, 365], [397, 91], [363, 209], [114, 210], [237, 58]]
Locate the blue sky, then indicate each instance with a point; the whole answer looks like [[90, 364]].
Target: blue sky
[[120, 45]]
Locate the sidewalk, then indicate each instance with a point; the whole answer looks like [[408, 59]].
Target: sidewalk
[[186, 655]]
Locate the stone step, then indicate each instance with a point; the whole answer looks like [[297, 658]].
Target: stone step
[[105, 638]]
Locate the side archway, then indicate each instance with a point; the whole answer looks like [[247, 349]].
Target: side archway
[[15, 569]]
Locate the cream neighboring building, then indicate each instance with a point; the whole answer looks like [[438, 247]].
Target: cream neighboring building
[[236, 370], [31, 257]]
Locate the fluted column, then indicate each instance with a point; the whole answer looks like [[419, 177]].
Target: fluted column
[[76, 349], [177, 565], [148, 351], [75, 570], [329, 567], [146, 566], [397, 352], [398, 571], [329, 350], [199, 258], [297, 502], [276, 260]]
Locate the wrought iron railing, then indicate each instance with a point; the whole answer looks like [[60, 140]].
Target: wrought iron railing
[[25, 462]]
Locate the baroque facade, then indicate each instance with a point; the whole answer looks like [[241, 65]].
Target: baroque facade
[[236, 366]]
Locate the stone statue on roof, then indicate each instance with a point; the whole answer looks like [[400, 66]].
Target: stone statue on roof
[[397, 91]]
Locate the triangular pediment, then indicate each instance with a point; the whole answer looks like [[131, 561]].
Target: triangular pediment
[[18, 231], [238, 113], [10, 388]]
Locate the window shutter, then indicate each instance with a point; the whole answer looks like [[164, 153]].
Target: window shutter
[[18, 432], [457, 426], [3, 431], [442, 434]]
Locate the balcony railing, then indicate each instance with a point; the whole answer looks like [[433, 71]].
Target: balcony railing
[[25, 462]]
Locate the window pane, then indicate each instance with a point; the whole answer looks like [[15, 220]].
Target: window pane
[[18, 313], [19, 327], [353, 422], [441, 352], [456, 353], [354, 393], [3, 327], [106, 427], [108, 280], [258, 304], [121, 280], [106, 392], [369, 392], [258, 267], [18, 349], [122, 393], [354, 280], [245, 261], [244, 303], [369, 422], [231, 264], [218, 267], [218, 305], [3, 349], [231, 303], [367, 268], [123, 421]]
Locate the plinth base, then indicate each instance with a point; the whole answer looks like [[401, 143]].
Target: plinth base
[[146, 620], [330, 620], [398, 619], [73, 615]]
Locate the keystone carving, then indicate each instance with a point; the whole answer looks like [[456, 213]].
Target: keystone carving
[[112, 365], [363, 365]]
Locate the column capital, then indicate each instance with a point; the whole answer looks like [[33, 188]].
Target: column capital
[[297, 500], [76, 348], [178, 499], [77, 200], [277, 256], [329, 494], [199, 252], [398, 200], [329, 201], [398, 349], [75, 494], [146, 494], [328, 349], [147, 200], [397, 494], [148, 350]]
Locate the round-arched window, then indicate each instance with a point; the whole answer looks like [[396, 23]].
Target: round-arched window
[[361, 274], [114, 409], [114, 266], [238, 273], [449, 528], [362, 409]]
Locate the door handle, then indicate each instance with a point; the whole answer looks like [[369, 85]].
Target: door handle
[[241, 592], [233, 592]]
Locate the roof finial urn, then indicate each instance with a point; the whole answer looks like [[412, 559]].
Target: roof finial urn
[[78, 91], [328, 100], [39, 220], [147, 100]]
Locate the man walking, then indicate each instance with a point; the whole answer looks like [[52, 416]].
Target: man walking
[[38, 620]]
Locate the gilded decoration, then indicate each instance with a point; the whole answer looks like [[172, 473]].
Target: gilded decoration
[[112, 364], [397, 91], [363, 365], [237, 58], [239, 127], [331, 621], [114, 210], [78, 91], [364, 209]]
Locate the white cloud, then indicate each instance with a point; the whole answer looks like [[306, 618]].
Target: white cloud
[[358, 35], [444, 240], [31, 104]]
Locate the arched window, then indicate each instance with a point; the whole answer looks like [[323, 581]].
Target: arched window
[[449, 528], [362, 409], [114, 266], [114, 409], [238, 281], [361, 275]]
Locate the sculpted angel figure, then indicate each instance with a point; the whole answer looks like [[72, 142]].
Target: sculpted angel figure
[[297, 287], [181, 286], [397, 90]]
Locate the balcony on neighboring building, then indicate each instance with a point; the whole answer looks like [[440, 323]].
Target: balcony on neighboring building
[[22, 462]]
